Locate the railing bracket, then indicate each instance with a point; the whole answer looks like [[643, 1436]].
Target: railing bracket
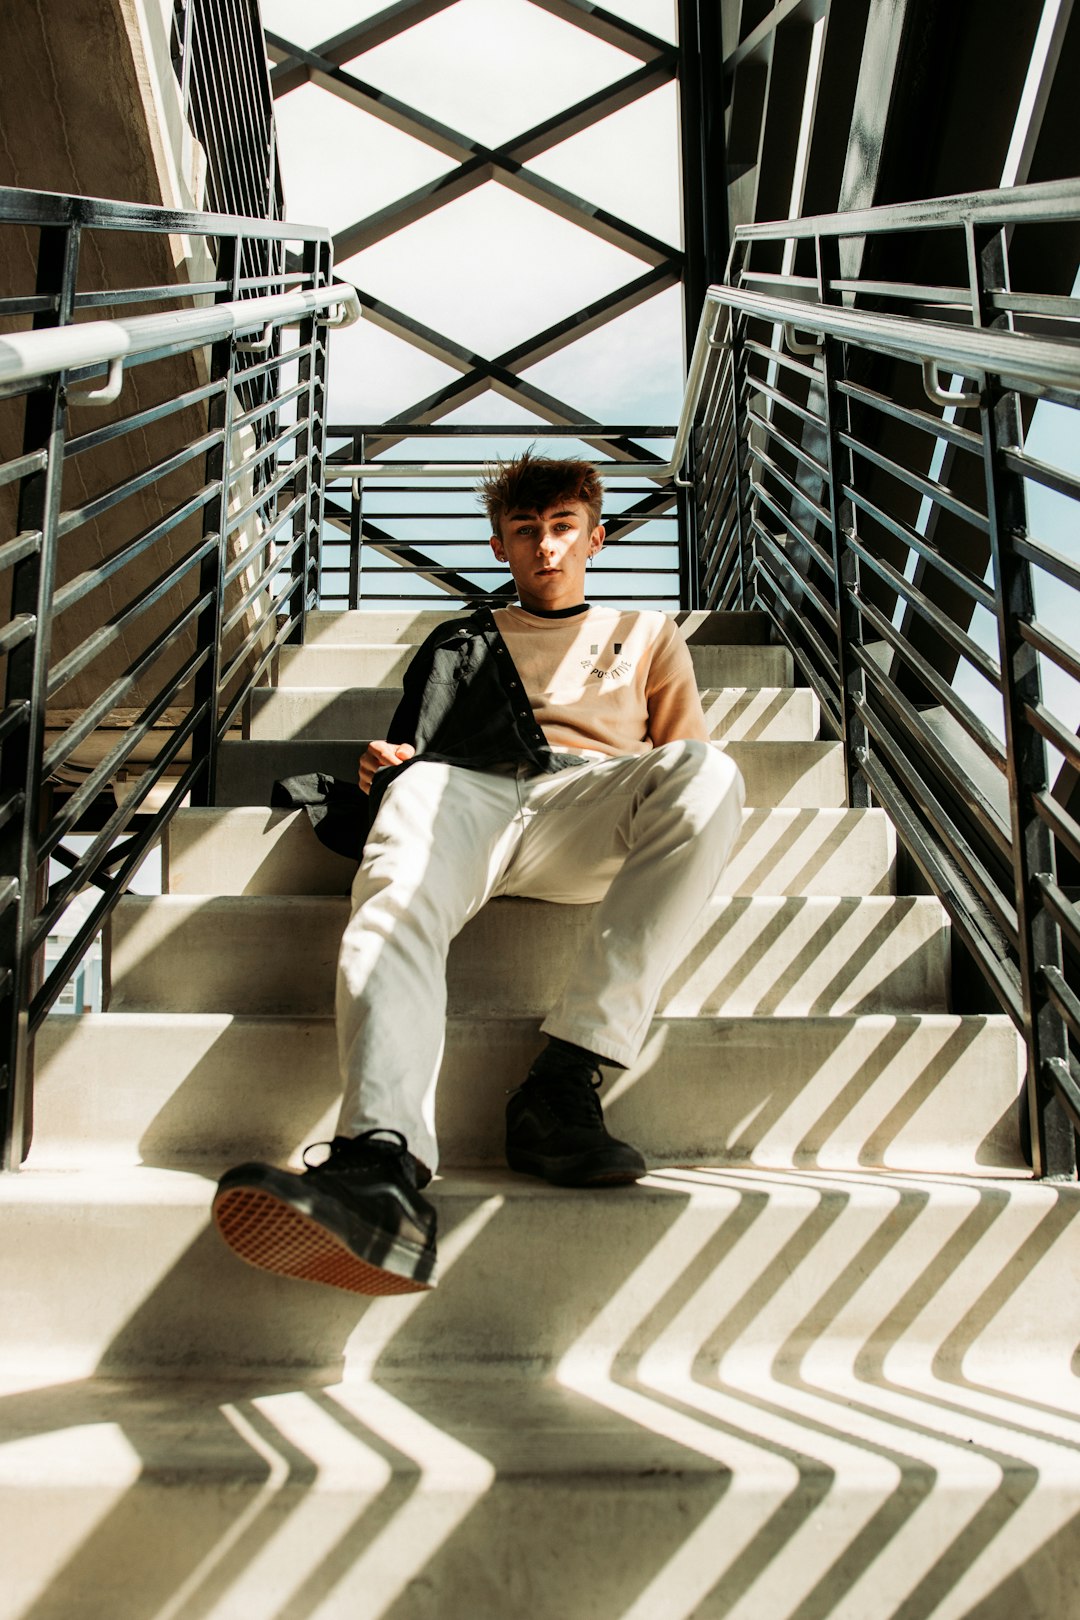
[[943, 396], [796, 345], [99, 394]]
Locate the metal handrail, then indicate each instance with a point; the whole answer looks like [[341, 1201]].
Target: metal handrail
[[971, 351], [26, 357]]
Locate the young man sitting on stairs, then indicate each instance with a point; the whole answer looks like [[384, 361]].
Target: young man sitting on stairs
[[550, 749]]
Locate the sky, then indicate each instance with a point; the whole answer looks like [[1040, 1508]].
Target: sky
[[490, 268]]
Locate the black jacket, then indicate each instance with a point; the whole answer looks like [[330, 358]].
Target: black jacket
[[463, 703]]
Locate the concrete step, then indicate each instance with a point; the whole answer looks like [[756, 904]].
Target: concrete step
[[728, 1272], [746, 956], [252, 851], [486, 1498], [382, 626], [764, 714], [919, 1092], [797, 776], [322, 664]]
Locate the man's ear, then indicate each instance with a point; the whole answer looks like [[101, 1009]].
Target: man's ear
[[596, 539], [498, 548]]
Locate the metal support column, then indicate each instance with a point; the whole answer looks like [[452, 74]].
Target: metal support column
[[21, 785], [1053, 1139]]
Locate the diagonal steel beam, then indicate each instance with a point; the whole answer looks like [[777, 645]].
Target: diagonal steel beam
[[589, 111], [398, 114], [593, 19], [501, 373], [352, 42]]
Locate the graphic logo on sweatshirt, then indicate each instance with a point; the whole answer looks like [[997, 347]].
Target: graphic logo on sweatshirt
[[622, 667]]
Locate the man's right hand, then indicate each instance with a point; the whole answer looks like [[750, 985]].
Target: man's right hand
[[377, 755]]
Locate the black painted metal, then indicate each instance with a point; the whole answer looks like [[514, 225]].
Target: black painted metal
[[200, 597], [876, 526]]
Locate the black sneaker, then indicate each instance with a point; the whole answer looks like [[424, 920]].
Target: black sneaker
[[555, 1125], [355, 1221]]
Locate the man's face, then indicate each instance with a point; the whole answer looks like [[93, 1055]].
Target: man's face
[[547, 553]]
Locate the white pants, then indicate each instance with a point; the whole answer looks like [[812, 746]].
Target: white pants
[[645, 836]]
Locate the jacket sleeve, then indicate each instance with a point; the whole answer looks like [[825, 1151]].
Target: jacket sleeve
[[406, 717]]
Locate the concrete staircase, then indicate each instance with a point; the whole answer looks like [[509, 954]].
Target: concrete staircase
[[819, 1364]]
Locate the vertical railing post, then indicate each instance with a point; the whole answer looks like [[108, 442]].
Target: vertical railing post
[[21, 786], [738, 473], [208, 631], [1053, 1141], [356, 524], [850, 674], [689, 544], [310, 407]]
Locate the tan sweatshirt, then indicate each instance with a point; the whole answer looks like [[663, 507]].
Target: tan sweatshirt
[[605, 682]]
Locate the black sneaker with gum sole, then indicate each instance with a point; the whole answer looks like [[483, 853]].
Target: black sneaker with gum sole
[[356, 1221], [555, 1126]]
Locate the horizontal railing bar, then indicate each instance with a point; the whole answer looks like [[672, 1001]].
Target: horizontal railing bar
[[13, 806], [74, 517], [1061, 908], [279, 562], [1045, 641], [265, 496], [248, 419], [244, 558], [930, 746], [18, 207], [91, 717], [962, 438], [824, 607], [225, 720], [116, 823], [929, 488], [28, 356], [779, 357], [476, 573], [913, 290], [960, 849], [279, 280], [1049, 726], [92, 578], [132, 424], [1057, 818], [1061, 994], [10, 889], [792, 488], [1043, 556], [826, 659], [948, 881], [811, 674], [929, 612], [788, 404], [1041, 472], [113, 629], [799, 535], [963, 581], [1045, 202], [804, 457], [69, 816], [29, 304], [954, 705], [1054, 305], [19, 629], [27, 544], [22, 466], [504, 430], [12, 717], [971, 351]]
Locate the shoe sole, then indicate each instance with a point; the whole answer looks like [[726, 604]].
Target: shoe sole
[[274, 1236], [573, 1173]]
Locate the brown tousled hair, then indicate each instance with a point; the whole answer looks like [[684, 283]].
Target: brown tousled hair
[[536, 482]]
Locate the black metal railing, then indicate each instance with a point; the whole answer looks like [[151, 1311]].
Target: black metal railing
[[158, 544], [887, 463], [411, 531]]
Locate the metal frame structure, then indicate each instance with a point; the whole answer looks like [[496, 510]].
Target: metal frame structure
[[183, 614], [508, 165], [874, 532]]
